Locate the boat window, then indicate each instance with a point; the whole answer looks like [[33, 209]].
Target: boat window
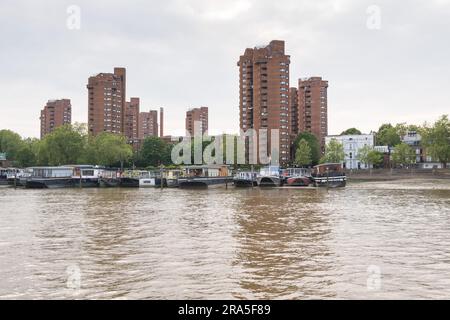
[[88, 172]]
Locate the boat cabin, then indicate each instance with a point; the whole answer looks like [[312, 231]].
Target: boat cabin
[[3, 175], [173, 173], [51, 172], [296, 172], [9, 172], [330, 169], [270, 171], [206, 171], [109, 174], [86, 171], [246, 175], [136, 174]]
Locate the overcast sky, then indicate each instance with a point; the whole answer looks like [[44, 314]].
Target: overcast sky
[[183, 53]]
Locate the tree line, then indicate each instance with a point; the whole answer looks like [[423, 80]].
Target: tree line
[[70, 144], [435, 138]]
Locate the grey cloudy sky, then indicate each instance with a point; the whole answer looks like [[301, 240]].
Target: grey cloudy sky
[[181, 54]]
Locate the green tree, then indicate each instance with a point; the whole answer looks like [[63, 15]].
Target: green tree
[[413, 127], [403, 154], [65, 145], [155, 152], [363, 154], [27, 155], [436, 140], [387, 136], [350, 131], [313, 144], [375, 158], [10, 143], [110, 149], [334, 152], [369, 156], [303, 154], [401, 129]]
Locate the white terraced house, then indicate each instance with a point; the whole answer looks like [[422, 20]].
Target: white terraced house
[[352, 143]]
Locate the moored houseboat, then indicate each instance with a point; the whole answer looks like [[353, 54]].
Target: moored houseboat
[[172, 176], [50, 177], [329, 175], [270, 177], [109, 178], [205, 176], [13, 176], [88, 174], [131, 178], [27, 172], [245, 179], [146, 180], [151, 179], [297, 177], [3, 176]]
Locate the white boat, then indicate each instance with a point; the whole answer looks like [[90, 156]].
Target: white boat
[[146, 181], [13, 176], [270, 177], [245, 179], [89, 176]]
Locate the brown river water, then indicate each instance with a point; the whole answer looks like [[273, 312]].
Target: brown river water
[[370, 240]]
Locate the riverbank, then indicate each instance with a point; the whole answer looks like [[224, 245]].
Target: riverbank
[[397, 174]]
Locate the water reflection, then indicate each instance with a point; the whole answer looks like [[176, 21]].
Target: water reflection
[[281, 241]]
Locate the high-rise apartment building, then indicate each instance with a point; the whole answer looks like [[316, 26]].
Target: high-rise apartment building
[[313, 108], [55, 114], [131, 123], [161, 122], [293, 108], [264, 93], [197, 115], [106, 102], [148, 124]]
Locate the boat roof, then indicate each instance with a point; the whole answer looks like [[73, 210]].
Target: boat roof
[[82, 166], [211, 166], [328, 164], [52, 168]]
